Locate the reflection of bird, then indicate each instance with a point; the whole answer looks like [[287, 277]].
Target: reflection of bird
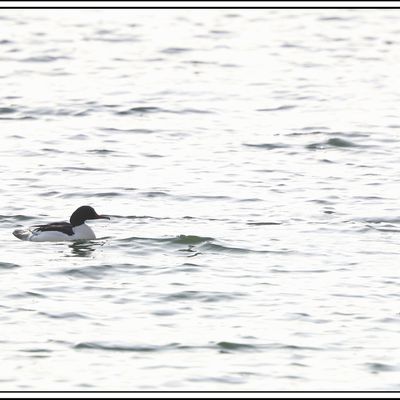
[[83, 249], [75, 229]]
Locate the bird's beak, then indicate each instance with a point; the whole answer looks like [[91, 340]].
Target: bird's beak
[[102, 217]]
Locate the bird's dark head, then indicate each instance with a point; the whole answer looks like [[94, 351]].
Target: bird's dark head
[[82, 214]]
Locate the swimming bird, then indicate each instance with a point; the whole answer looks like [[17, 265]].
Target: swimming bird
[[75, 229]]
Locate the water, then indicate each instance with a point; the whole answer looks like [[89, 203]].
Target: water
[[249, 162]]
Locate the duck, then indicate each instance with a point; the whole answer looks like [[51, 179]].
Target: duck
[[75, 229]]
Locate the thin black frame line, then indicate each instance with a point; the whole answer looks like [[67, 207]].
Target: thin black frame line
[[201, 8], [208, 1], [196, 391]]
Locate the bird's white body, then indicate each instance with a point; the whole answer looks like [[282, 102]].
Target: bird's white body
[[81, 232]]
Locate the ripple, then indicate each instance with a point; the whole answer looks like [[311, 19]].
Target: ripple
[[333, 142], [154, 194], [164, 313], [152, 110], [104, 37], [139, 216], [57, 112], [180, 239], [44, 58], [21, 118], [384, 229], [376, 367], [191, 239], [207, 297], [268, 146], [210, 197], [192, 111], [152, 155], [307, 133], [236, 346], [381, 220], [121, 347], [26, 295], [14, 218], [141, 110], [6, 265], [146, 131], [91, 272], [52, 150], [199, 62], [229, 249], [7, 110], [67, 315], [280, 108], [101, 151], [81, 195], [37, 350], [264, 223], [334, 18], [175, 50]]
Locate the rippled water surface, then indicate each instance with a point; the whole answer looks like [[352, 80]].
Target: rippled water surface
[[249, 162]]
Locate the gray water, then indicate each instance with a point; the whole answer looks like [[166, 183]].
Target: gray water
[[249, 162]]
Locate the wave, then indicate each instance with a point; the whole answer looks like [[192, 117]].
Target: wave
[[333, 142], [44, 58], [6, 265], [115, 130], [268, 146], [236, 346], [229, 249], [203, 296], [280, 108], [191, 239], [222, 346], [264, 223], [67, 315], [198, 243], [91, 272], [180, 239], [121, 347], [152, 109], [7, 110], [175, 50], [17, 217]]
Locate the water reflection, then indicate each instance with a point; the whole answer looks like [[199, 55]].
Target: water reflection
[[191, 250], [83, 248]]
